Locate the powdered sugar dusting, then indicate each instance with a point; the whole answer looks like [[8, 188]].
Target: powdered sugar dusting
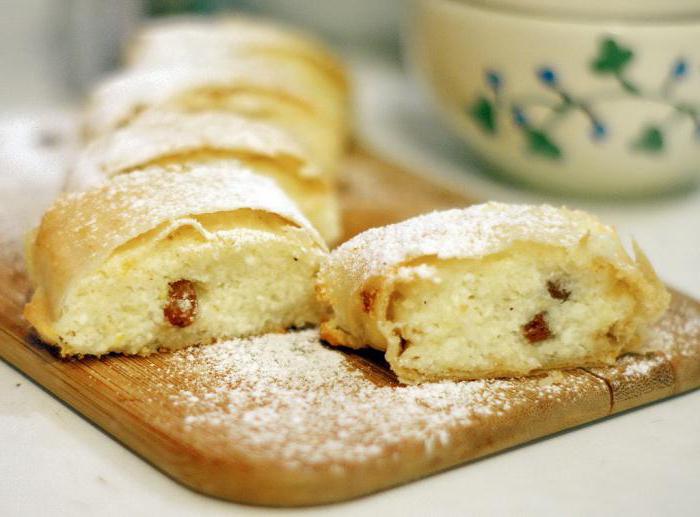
[[126, 94], [289, 398], [641, 366], [678, 332], [158, 135], [460, 233], [188, 41]]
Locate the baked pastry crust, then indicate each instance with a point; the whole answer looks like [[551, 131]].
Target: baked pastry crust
[[109, 235], [191, 40], [159, 138], [291, 96], [379, 284]]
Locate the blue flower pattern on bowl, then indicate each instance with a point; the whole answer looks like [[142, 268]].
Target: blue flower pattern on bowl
[[612, 59]]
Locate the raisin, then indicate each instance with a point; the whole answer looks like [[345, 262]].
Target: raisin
[[182, 303], [368, 298], [536, 329], [556, 291], [403, 345]]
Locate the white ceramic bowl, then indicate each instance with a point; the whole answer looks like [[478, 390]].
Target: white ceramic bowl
[[597, 98]]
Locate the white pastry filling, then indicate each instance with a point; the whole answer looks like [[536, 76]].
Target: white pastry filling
[[220, 277], [529, 308]]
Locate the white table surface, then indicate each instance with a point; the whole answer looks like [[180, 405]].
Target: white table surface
[[644, 462]]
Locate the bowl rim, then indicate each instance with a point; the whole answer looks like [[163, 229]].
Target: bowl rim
[[624, 10]]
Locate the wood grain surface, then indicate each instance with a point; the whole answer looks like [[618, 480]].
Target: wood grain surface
[[139, 400]]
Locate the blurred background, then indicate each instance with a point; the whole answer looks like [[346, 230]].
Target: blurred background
[[51, 51]]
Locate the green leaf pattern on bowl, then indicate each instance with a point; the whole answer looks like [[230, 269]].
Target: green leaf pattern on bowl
[[484, 114], [613, 60]]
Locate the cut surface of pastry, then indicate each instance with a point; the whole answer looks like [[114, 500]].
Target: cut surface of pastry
[[494, 290], [162, 260], [191, 40], [283, 94], [190, 139]]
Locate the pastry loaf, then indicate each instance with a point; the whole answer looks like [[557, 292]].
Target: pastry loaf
[[291, 96], [191, 41], [188, 139], [489, 291], [157, 259]]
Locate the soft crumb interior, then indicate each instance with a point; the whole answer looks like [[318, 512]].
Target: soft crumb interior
[[257, 278], [531, 308]]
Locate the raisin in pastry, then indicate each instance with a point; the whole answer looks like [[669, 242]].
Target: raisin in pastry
[[158, 259], [489, 291], [164, 138]]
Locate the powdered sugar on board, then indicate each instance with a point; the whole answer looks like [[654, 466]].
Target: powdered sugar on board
[[678, 333], [288, 398]]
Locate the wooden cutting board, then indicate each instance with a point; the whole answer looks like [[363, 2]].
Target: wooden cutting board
[[283, 420]]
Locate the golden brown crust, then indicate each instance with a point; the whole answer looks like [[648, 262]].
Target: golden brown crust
[[358, 279], [185, 40], [162, 138], [167, 136], [473, 232], [81, 230], [121, 98]]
